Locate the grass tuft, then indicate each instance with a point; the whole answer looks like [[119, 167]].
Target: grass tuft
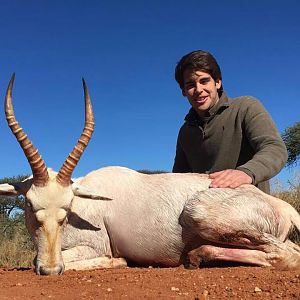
[[16, 250]]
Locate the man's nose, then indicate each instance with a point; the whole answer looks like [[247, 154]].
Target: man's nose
[[199, 88]]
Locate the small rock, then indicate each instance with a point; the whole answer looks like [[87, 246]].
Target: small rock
[[204, 295], [257, 290], [174, 289], [109, 290]]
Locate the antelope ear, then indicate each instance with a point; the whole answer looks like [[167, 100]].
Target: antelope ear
[[8, 190], [84, 192], [17, 188]]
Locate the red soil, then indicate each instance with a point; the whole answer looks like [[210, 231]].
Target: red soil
[[153, 283]]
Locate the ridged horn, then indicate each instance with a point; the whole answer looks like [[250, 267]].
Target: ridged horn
[[64, 175], [38, 167]]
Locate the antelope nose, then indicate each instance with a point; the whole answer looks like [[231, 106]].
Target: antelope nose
[[44, 270]]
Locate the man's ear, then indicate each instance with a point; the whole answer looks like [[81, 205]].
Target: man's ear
[[218, 83], [84, 192]]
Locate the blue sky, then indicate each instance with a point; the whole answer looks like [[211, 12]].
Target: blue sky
[[127, 51]]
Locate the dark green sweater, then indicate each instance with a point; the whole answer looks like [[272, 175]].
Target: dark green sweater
[[238, 134]]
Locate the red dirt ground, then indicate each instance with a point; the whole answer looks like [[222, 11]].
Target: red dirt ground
[[153, 283]]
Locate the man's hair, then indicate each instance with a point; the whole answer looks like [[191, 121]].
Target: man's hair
[[198, 60]]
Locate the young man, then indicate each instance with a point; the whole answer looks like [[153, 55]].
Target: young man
[[234, 140]]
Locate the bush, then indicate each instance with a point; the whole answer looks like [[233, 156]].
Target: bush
[[292, 196], [16, 248]]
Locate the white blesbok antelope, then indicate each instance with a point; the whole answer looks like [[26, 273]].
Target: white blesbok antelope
[[114, 214]]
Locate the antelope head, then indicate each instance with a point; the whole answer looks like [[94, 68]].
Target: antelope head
[[48, 194]]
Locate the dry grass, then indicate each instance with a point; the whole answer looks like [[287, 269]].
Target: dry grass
[[292, 197], [16, 251]]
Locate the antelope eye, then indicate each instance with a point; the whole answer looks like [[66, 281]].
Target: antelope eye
[[40, 216], [61, 215]]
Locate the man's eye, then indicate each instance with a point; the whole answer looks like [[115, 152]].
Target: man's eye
[[205, 81], [189, 86]]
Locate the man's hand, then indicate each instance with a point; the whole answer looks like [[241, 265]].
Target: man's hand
[[229, 178]]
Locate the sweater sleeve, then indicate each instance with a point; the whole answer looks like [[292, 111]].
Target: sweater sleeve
[[270, 151], [181, 164]]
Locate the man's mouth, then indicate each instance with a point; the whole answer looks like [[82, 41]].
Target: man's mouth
[[201, 100]]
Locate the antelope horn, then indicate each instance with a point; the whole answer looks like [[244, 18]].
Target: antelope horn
[[38, 167], [64, 175]]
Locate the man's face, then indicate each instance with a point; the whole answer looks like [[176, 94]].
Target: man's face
[[201, 90]]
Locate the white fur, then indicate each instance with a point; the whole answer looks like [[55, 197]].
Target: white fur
[[154, 219]]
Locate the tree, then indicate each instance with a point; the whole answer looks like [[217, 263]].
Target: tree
[[16, 247], [11, 208], [291, 138]]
